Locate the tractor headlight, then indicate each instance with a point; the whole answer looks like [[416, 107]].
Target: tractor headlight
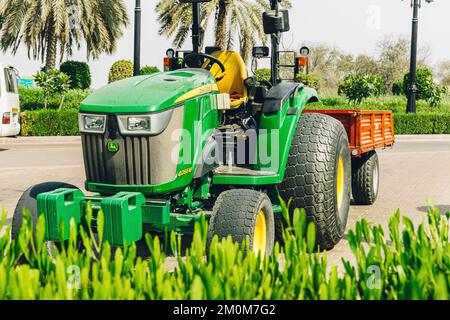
[[148, 124], [139, 123], [92, 123]]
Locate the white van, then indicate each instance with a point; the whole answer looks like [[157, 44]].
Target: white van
[[9, 102]]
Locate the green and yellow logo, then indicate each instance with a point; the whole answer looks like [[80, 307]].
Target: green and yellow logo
[[113, 146]]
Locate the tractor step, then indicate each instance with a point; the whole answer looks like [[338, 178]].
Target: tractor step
[[240, 171]]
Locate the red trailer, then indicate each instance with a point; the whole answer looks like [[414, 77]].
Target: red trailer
[[367, 131]]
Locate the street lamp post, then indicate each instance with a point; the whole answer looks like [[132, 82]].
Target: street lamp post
[[137, 38], [412, 88]]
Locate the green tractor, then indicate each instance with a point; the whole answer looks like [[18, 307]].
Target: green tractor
[[204, 139]]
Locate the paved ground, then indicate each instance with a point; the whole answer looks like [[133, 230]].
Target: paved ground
[[417, 168]]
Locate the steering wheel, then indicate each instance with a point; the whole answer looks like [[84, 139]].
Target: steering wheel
[[192, 61]]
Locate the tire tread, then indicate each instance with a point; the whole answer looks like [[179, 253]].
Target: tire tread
[[309, 178]]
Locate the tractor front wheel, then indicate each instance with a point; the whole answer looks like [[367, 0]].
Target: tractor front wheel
[[318, 176], [28, 201], [242, 213]]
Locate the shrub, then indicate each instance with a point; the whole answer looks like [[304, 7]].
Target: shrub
[[53, 82], [148, 70], [422, 123], [437, 95], [309, 81], [427, 89], [359, 87], [120, 70], [262, 75], [425, 83], [50, 123], [34, 99], [79, 74], [397, 88], [410, 263], [379, 87]]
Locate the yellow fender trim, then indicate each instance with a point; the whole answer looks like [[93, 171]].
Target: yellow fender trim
[[208, 88]]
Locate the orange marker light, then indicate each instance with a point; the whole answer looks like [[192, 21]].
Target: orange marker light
[[302, 61], [166, 64]]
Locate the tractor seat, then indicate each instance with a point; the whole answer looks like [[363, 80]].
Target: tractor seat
[[233, 80]]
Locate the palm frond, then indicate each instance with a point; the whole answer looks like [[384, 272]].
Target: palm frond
[[36, 23]]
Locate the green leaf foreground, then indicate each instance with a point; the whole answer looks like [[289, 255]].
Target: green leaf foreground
[[411, 263]]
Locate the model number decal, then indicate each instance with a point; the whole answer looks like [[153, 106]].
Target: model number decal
[[185, 172]]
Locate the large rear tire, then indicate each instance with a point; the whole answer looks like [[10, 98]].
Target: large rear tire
[[243, 212], [318, 176], [365, 178]]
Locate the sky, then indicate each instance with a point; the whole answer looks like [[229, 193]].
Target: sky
[[354, 26]]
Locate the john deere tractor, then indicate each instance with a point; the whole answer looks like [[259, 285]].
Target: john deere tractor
[[206, 139]]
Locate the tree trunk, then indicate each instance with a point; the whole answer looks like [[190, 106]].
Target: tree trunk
[[50, 53], [221, 25], [244, 51], [62, 101]]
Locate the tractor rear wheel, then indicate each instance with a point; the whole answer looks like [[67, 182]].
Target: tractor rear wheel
[[365, 178], [318, 176], [243, 212]]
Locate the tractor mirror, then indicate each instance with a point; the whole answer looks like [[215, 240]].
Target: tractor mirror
[[260, 52], [274, 23]]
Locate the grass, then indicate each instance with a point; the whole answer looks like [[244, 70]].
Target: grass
[[397, 104], [412, 263]]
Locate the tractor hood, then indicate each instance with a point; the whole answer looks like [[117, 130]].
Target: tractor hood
[[150, 93]]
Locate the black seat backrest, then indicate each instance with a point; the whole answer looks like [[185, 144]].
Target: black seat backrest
[[278, 96]]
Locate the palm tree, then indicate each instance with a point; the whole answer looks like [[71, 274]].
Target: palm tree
[[42, 25], [234, 20]]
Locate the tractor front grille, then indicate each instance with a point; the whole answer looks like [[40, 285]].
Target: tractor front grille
[[131, 164], [140, 160]]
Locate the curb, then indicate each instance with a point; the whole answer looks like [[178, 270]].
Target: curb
[[39, 140], [422, 138]]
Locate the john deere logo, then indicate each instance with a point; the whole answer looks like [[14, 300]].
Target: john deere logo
[[113, 146]]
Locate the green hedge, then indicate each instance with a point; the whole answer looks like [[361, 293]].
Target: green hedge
[[422, 123], [33, 99], [65, 123], [50, 123]]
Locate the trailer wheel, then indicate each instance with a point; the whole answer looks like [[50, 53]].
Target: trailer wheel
[[318, 176], [365, 178], [243, 212]]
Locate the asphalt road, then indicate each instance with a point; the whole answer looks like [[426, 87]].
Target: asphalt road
[[416, 170]]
